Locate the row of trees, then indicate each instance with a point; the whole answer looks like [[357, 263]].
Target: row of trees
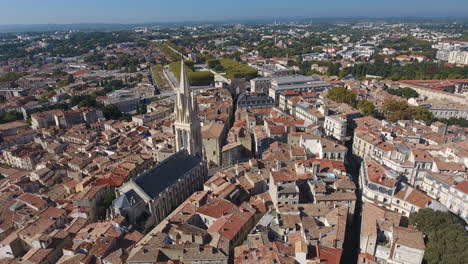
[[11, 76], [418, 113], [10, 116], [414, 71], [343, 95], [404, 44], [455, 121], [393, 110], [82, 42], [110, 112], [404, 92]]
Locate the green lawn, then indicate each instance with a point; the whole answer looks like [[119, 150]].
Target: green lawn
[[236, 69], [195, 78], [157, 73], [170, 54]]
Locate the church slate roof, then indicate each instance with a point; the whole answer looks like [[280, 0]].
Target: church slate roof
[[123, 201], [167, 172]]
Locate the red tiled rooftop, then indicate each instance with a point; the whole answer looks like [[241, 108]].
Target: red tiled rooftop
[[283, 176], [33, 200], [462, 186], [230, 225], [376, 174], [217, 207]]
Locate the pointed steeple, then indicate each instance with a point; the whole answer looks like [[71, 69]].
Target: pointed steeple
[[184, 85], [187, 126]]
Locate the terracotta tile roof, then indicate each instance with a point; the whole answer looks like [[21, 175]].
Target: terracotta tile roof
[[444, 177], [52, 213], [231, 225], [408, 237], [326, 164], [284, 176], [217, 207], [277, 130], [274, 252], [449, 166], [462, 186], [33, 200], [421, 155], [299, 151], [372, 213], [414, 197], [328, 255], [376, 174], [212, 130], [385, 146]]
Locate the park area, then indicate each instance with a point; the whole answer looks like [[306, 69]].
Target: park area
[[233, 69], [196, 78]]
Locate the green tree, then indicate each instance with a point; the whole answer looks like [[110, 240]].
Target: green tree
[[423, 114], [139, 77], [111, 112], [455, 121], [216, 65], [10, 116], [446, 238], [333, 69], [11, 76], [141, 109], [106, 203], [70, 78], [88, 100], [61, 83], [404, 92], [132, 68], [342, 95], [395, 110], [366, 107], [125, 117]]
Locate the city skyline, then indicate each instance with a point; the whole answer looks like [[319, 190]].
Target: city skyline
[[193, 132], [27, 12]]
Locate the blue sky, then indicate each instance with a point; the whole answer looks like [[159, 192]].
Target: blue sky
[[140, 11]]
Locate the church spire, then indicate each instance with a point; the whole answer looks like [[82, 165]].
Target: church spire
[[184, 85], [187, 126]]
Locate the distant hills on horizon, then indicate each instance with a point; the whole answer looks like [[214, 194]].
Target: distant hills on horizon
[[18, 28]]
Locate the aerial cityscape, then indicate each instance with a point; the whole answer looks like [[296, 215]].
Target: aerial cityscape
[[240, 132]]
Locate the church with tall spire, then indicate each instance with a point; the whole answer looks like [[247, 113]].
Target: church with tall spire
[[164, 187], [187, 126]]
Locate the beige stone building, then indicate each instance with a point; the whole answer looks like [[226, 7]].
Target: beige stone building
[[213, 136], [386, 241]]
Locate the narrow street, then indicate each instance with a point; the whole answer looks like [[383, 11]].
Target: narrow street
[[352, 239]]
